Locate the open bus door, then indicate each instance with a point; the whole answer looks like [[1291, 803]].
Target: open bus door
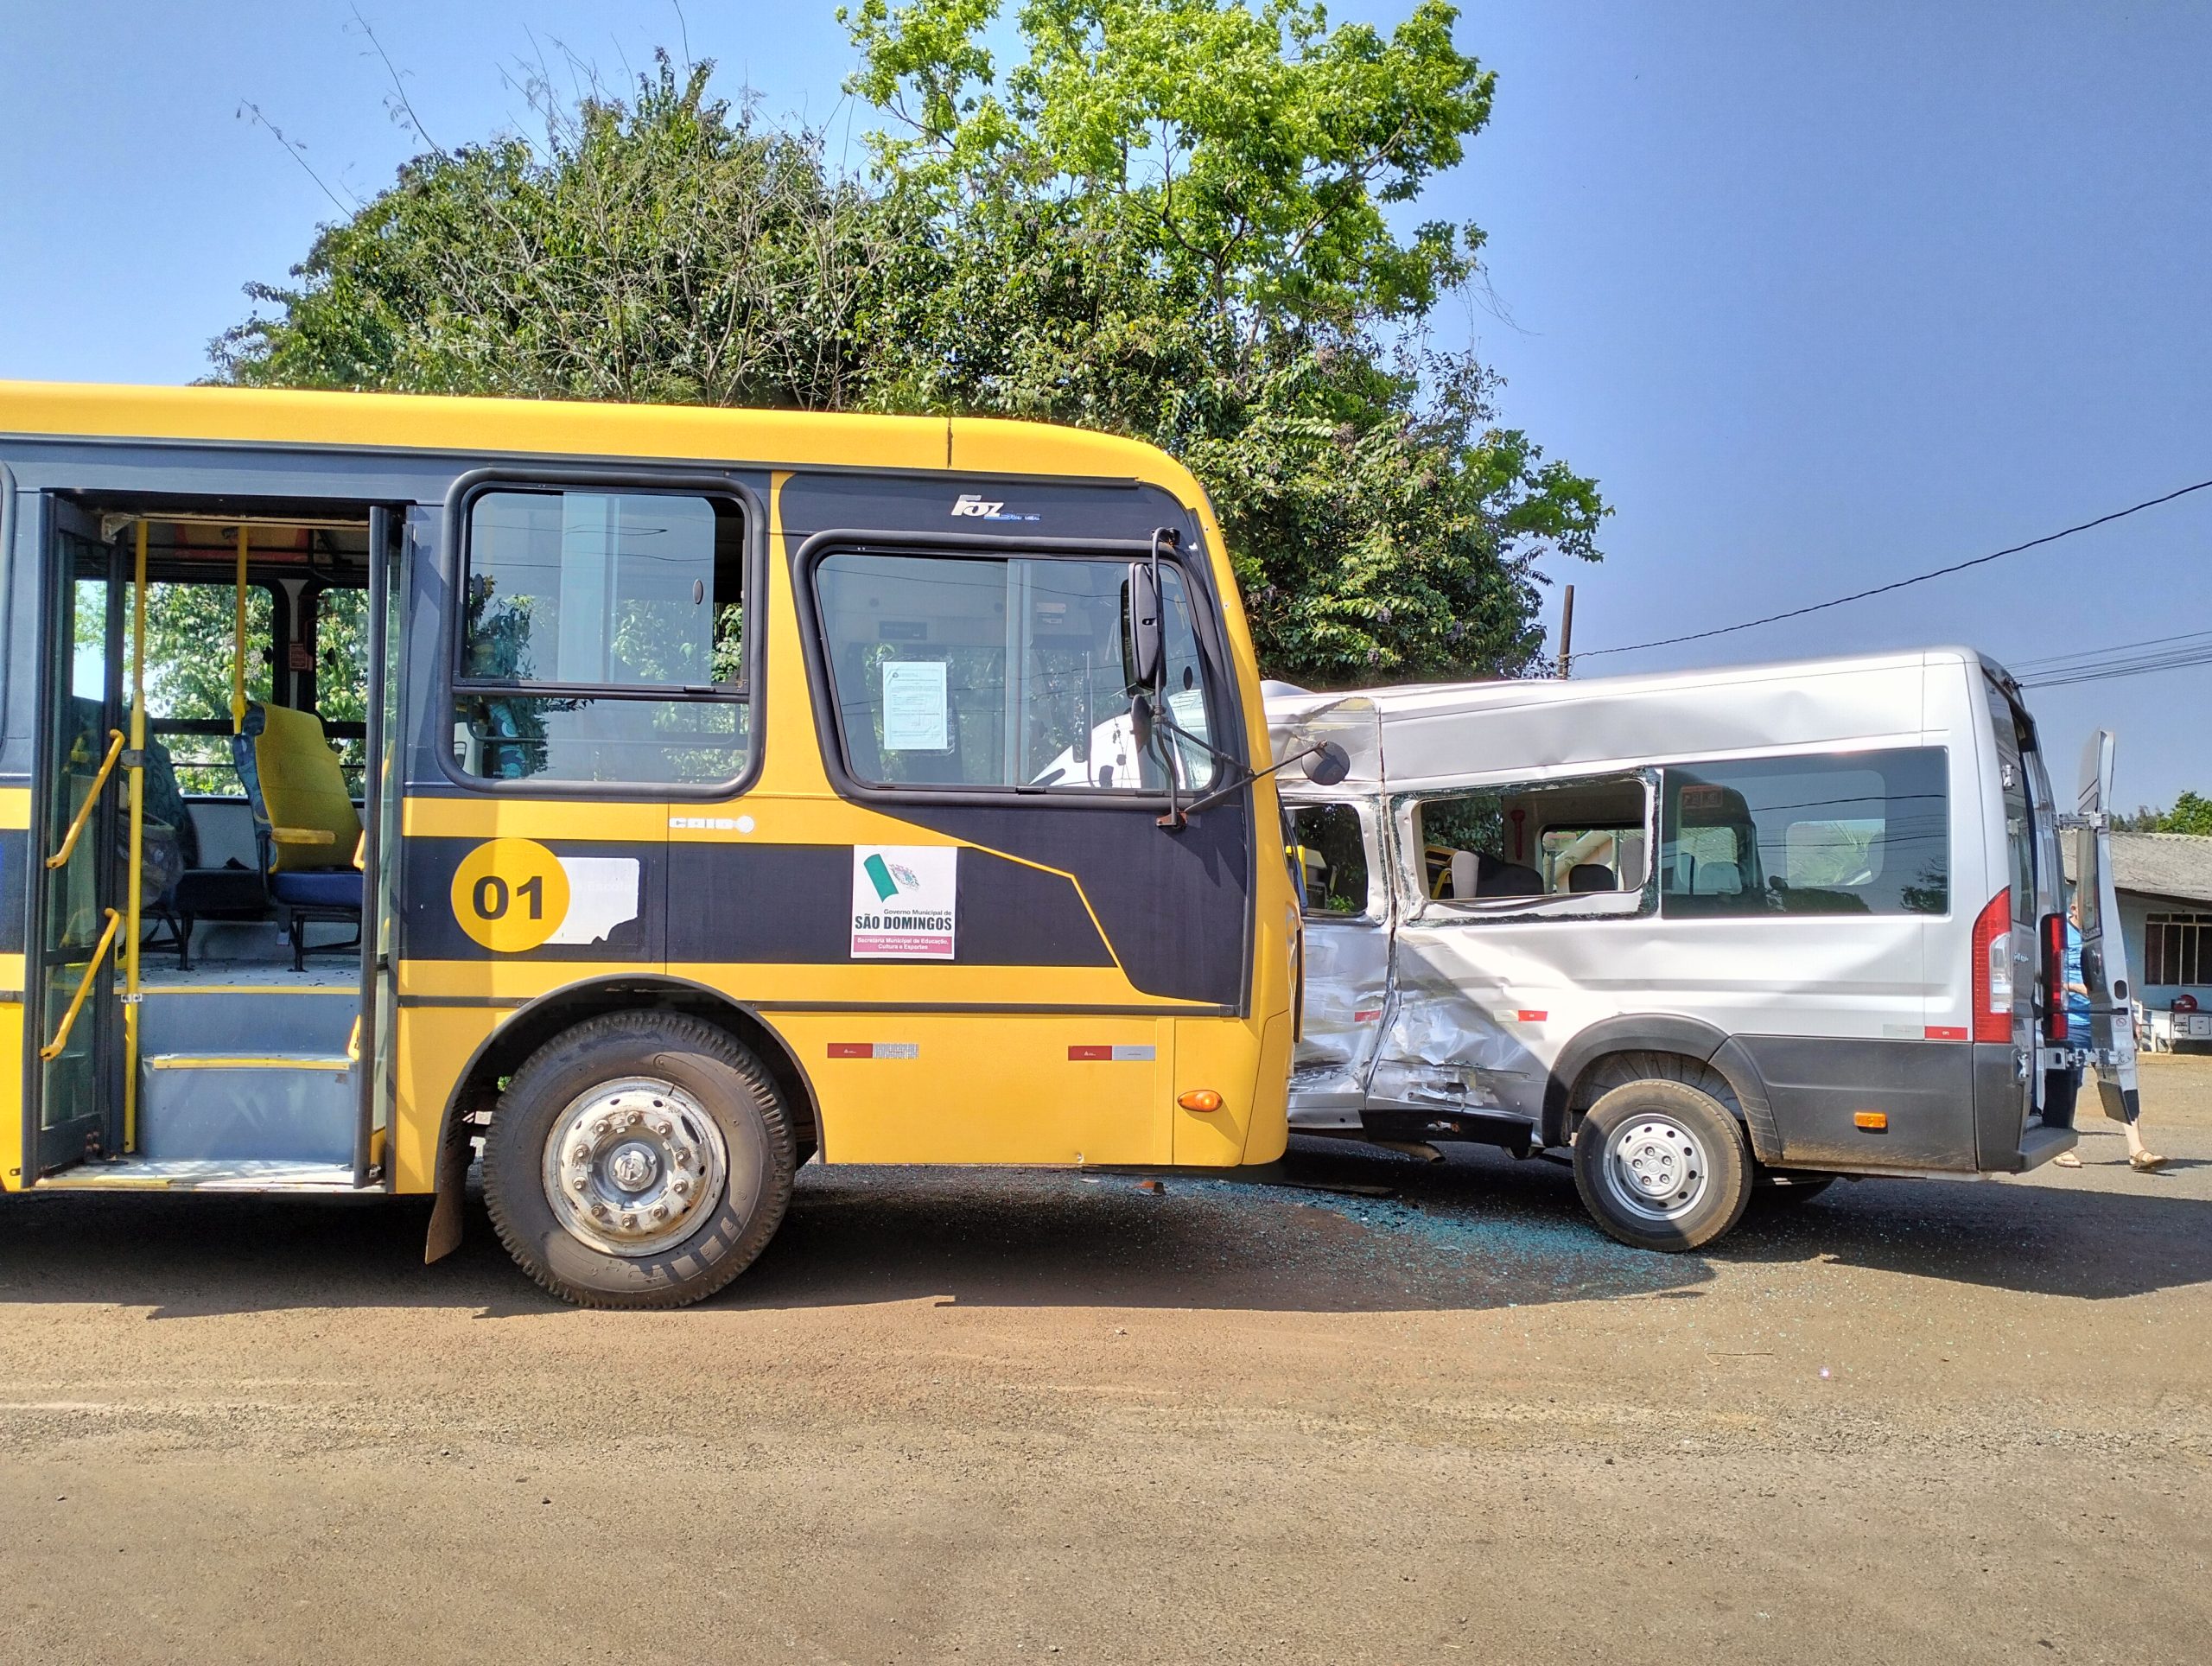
[[2104, 951], [155, 1059], [72, 1019]]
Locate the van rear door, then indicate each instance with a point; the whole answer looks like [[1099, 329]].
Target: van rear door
[[2104, 951]]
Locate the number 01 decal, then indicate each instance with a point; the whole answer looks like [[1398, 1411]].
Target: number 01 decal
[[510, 894]]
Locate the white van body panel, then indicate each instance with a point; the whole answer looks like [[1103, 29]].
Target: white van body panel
[[1483, 997]]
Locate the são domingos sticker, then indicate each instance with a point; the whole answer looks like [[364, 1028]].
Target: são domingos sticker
[[906, 899]]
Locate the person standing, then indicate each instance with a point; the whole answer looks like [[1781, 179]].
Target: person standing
[[2080, 1034]]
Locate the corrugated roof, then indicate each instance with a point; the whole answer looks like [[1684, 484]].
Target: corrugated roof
[[2158, 864]]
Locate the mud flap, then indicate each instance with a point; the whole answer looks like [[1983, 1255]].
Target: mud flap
[[2104, 951], [446, 1213]]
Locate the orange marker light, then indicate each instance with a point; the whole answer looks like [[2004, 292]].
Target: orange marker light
[[1200, 1099], [1874, 1121]]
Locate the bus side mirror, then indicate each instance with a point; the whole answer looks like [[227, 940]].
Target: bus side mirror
[[1141, 723], [1327, 764], [1141, 634]]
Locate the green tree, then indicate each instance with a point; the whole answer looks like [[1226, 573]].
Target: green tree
[[1176, 219], [2192, 813], [1172, 218], [668, 249]]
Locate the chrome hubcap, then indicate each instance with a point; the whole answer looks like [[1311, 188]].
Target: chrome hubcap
[[633, 1167], [1656, 1168]]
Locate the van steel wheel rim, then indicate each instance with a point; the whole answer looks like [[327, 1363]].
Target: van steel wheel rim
[[1656, 1168], [633, 1167]]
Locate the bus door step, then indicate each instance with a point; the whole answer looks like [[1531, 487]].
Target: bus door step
[[288, 1107]]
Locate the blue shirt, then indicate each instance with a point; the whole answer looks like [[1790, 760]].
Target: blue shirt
[[2078, 1033]]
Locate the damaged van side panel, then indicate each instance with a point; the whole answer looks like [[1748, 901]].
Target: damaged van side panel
[[1635, 856]]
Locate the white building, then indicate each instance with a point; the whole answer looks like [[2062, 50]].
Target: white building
[[2164, 882]]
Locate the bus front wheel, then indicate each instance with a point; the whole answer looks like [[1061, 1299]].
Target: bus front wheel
[[640, 1159]]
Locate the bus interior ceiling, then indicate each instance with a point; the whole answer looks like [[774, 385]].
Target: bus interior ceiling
[[245, 1038]]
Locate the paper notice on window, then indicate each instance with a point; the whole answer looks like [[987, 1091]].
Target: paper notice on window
[[914, 706]]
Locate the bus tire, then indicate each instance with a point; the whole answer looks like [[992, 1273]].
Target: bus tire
[[1662, 1165], [640, 1159]]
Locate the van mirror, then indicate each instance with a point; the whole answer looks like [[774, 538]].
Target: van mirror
[[1327, 764], [1140, 724], [1143, 641]]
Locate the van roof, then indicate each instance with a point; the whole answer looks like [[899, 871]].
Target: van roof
[[1441, 699], [573, 428], [1610, 722]]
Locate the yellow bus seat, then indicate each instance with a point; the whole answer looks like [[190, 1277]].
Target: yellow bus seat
[[304, 818]]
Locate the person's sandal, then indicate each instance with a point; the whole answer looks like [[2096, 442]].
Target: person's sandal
[[2067, 1160], [2146, 1162]]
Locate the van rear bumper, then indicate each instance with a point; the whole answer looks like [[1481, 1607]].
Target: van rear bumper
[[1951, 1107]]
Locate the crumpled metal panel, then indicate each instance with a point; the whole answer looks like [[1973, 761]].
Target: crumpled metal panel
[[1442, 1049], [1296, 722], [1347, 993]]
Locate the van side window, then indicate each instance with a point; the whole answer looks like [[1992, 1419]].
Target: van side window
[[1856, 833], [1514, 848], [602, 638], [1328, 854]]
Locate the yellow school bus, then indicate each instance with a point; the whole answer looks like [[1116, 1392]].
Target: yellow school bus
[[652, 798]]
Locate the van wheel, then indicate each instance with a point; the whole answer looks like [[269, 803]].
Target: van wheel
[[640, 1159], [1663, 1166]]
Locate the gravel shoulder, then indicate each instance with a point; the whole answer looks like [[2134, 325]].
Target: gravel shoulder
[[961, 1415]]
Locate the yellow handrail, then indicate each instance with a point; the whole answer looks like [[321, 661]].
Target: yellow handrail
[[238, 644], [85, 811], [136, 894], [53, 1050]]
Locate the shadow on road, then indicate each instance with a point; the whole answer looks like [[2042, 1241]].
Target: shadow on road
[[1478, 1231]]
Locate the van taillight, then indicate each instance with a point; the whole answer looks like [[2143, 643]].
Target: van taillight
[[2053, 977], [1992, 970]]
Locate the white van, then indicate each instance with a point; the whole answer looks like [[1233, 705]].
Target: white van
[[1712, 930]]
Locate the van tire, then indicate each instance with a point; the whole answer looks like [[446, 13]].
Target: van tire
[[1693, 1154], [664, 1110]]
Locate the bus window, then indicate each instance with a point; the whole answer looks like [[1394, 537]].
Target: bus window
[[189, 631], [342, 674], [602, 638], [991, 672]]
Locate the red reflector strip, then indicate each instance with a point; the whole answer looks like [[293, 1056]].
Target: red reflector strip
[[1527, 1015], [875, 1050], [1109, 1055], [1947, 1032], [1367, 1015]]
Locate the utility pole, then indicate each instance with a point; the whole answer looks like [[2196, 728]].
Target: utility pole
[[1566, 633]]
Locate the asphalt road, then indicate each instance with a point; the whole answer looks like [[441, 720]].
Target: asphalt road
[[954, 1415]]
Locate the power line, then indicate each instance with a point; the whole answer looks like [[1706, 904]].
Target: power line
[[2059, 661], [1899, 584], [2127, 659]]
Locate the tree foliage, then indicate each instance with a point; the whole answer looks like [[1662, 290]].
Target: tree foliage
[[667, 249], [1185, 220], [2192, 813]]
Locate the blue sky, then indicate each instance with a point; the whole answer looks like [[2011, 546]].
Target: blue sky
[[1823, 296]]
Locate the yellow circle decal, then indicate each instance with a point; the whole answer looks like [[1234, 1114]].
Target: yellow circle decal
[[510, 895]]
